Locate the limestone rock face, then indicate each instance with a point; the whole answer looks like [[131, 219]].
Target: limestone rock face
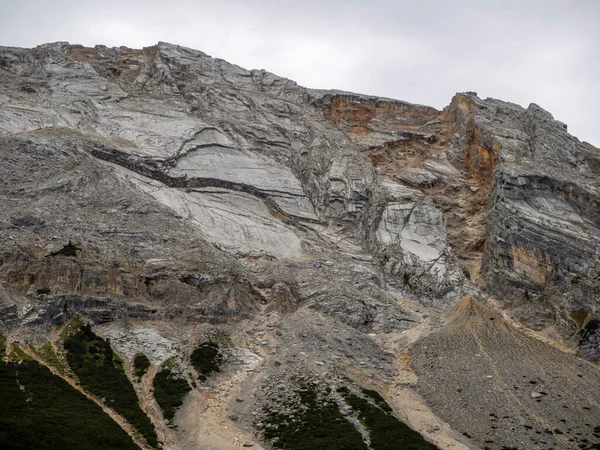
[[412, 237], [253, 163], [543, 217], [202, 196]]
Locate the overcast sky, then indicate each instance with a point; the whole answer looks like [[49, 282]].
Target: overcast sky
[[423, 51]]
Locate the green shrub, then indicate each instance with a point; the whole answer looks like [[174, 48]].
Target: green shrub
[[579, 316], [169, 392], [101, 373], [39, 410], [318, 424], [576, 279], [590, 328], [206, 359], [378, 399], [386, 432], [141, 363]]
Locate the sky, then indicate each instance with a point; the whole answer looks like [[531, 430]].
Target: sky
[[422, 51]]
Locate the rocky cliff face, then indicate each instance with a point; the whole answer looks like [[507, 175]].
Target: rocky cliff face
[[309, 226], [541, 245]]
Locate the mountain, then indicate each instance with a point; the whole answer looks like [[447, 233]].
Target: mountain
[[271, 266]]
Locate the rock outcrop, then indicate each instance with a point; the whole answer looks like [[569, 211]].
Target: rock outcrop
[[542, 224]]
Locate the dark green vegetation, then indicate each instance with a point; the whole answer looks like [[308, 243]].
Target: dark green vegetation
[[169, 392], [101, 373], [140, 365], [579, 316], [588, 330], [378, 399], [39, 410], [68, 250], [576, 279], [317, 424], [206, 359], [385, 431]]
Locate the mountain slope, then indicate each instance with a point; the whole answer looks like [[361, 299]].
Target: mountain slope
[[318, 236]]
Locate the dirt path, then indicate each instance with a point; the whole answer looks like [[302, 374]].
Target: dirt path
[[203, 419], [145, 393]]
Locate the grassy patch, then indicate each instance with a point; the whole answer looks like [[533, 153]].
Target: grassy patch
[[2, 346], [317, 424], [39, 410], [169, 392], [206, 359], [72, 326], [385, 431], [141, 363], [48, 355], [29, 251], [18, 355], [101, 373]]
